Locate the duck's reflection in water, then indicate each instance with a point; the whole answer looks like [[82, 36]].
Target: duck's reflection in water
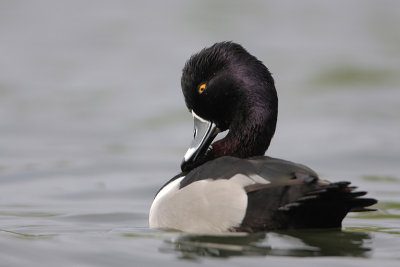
[[296, 243]]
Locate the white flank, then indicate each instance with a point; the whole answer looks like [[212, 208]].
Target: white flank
[[205, 206]]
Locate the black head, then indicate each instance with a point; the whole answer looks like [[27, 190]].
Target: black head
[[227, 86]]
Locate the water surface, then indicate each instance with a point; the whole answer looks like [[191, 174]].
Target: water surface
[[92, 123]]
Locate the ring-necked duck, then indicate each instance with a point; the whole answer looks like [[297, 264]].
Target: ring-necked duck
[[229, 185]]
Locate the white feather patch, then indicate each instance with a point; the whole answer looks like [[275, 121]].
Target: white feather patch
[[205, 206]]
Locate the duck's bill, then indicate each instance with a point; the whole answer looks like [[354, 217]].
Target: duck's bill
[[204, 133]]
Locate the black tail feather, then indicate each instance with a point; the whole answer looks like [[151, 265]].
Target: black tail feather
[[303, 205]]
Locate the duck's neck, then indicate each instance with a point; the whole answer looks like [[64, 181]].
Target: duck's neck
[[249, 134]]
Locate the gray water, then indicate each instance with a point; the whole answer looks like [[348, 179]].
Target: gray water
[[92, 123]]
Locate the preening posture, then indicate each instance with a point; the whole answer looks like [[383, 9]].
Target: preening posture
[[229, 185]]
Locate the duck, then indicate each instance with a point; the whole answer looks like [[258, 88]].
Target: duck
[[230, 185]]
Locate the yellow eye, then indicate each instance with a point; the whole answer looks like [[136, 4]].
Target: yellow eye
[[202, 88]]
